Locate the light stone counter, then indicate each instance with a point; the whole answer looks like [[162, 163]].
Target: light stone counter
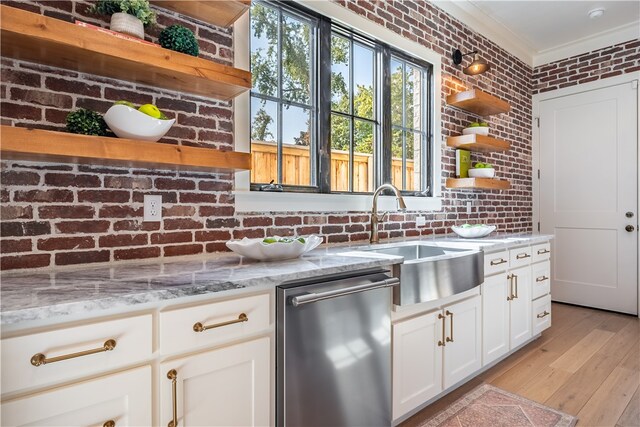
[[53, 295]]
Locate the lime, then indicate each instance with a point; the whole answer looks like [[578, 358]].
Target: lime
[[127, 103], [484, 124], [474, 125], [269, 240]]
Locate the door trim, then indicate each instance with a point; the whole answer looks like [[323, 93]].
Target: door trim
[[535, 152]]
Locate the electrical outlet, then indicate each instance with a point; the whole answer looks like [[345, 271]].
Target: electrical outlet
[[152, 208], [421, 221], [469, 204]]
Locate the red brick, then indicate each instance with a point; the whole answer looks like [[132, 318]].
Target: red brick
[[104, 196], [176, 237], [174, 184], [182, 224], [304, 231], [75, 227], [293, 220], [69, 211], [46, 98], [215, 186], [81, 257], [138, 183], [66, 243], [116, 211], [43, 196], [15, 212], [72, 86], [223, 223], [338, 219], [136, 253], [261, 221], [217, 210], [28, 228], [135, 225], [182, 250], [216, 247], [338, 238], [19, 177], [249, 233], [179, 210], [18, 245], [18, 77], [116, 240], [25, 261], [207, 236]]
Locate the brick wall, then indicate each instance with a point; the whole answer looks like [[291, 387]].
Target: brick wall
[[61, 214], [595, 65]]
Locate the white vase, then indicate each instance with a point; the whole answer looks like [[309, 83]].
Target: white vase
[[127, 24]]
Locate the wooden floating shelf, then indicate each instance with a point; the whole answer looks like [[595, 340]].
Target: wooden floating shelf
[[48, 146], [478, 143], [478, 183], [222, 13], [32, 37], [478, 102]]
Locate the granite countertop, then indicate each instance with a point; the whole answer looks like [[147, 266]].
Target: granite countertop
[[40, 295]]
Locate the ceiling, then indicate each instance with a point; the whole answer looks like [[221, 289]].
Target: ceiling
[[544, 31]]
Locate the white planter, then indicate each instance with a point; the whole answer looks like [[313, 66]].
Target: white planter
[[127, 24]]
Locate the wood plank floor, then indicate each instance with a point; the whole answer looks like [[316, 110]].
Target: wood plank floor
[[586, 364]]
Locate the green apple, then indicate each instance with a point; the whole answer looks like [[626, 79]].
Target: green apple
[[479, 165], [484, 124], [269, 240], [474, 125], [150, 110], [123, 102]]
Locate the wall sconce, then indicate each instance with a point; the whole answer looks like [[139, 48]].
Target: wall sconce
[[478, 66]]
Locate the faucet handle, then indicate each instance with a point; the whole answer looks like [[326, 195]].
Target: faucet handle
[[381, 217]]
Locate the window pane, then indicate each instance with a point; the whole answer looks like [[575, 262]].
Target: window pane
[[297, 146], [413, 98], [340, 133], [396, 92], [340, 74], [296, 60], [264, 134], [363, 66], [414, 164], [363, 143], [264, 49], [396, 158]]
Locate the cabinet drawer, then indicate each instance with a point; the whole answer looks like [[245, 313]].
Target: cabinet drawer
[[216, 322], [132, 338], [541, 314], [496, 262], [541, 252], [519, 257], [541, 274]]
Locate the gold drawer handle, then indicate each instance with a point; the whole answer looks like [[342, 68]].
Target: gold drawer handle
[[40, 359], [173, 376], [543, 251], [541, 315], [542, 279], [510, 279], [523, 256], [442, 343], [109, 423], [448, 313], [199, 327], [498, 262]]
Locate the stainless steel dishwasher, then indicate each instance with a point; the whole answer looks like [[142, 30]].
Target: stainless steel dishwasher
[[334, 351]]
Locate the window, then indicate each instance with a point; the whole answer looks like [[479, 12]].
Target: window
[[333, 111]]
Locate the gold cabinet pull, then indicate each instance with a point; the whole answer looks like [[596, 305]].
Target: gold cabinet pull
[[515, 276], [542, 279], [40, 359], [173, 376], [450, 338], [442, 342], [510, 278], [199, 327], [109, 423], [543, 251], [541, 315], [522, 255], [498, 261]]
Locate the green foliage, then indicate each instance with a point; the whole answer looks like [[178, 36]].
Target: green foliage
[[179, 39], [260, 127], [86, 122], [138, 8]]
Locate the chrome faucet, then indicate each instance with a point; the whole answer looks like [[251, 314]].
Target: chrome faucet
[[375, 218]]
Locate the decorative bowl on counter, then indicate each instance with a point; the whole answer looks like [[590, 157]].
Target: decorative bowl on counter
[[478, 130], [472, 231], [274, 248], [482, 173], [127, 122]]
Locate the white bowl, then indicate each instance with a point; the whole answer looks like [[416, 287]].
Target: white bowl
[[127, 122], [473, 232], [479, 130], [257, 249], [482, 173]]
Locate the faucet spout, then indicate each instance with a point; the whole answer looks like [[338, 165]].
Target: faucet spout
[[375, 219]]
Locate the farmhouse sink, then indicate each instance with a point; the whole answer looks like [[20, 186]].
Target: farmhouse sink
[[430, 272]]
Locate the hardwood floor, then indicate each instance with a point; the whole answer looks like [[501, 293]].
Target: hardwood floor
[[586, 364]]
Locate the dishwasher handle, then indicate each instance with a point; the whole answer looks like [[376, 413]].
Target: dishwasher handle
[[313, 297]]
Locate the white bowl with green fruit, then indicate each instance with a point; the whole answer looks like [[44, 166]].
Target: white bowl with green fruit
[[482, 170], [473, 231], [146, 123], [478, 128], [274, 248]]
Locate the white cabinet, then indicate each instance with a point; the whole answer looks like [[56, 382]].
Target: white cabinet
[[224, 387], [123, 398], [495, 317], [417, 361], [463, 346], [520, 306], [541, 314]]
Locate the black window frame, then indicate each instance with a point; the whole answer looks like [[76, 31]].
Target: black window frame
[[322, 111]]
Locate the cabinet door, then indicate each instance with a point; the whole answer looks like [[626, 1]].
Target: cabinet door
[[417, 362], [123, 398], [495, 317], [520, 310], [463, 351], [225, 387]]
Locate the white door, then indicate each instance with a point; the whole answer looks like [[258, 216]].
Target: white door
[[495, 318], [123, 398], [463, 351], [520, 306], [225, 387], [417, 361], [588, 186]]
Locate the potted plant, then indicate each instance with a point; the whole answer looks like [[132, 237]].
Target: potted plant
[[127, 16], [179, 39]]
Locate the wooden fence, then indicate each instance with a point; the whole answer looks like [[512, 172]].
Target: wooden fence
[[296, 167]]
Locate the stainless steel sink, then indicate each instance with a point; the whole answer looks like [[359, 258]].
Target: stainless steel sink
[[430, 272]]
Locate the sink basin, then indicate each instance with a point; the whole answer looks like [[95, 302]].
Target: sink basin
[[431, 272]]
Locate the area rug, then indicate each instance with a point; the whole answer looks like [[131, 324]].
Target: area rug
[[488, 406]]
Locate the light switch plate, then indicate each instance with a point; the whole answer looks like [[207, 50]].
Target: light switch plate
[[152, 208], [421, 221]]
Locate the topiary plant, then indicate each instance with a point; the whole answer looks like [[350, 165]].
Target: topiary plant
[[179, 39], [86, 122], [138, 8]]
